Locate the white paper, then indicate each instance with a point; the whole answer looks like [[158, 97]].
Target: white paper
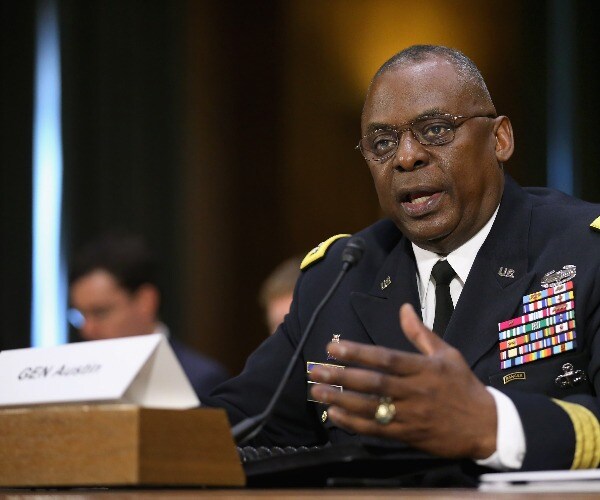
[[141, 370], [542, 481]]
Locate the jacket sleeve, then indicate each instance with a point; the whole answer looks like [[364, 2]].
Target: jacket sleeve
[[293, 422]]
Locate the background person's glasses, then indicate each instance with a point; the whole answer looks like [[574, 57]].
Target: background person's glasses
[[78, 318], [430, 130]]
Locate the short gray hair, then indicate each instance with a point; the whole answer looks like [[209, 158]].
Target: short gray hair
[[465, 67]]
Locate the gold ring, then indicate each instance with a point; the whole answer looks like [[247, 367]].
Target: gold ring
[[385, 411]]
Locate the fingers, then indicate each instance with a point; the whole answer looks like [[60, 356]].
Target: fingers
[[430, 391], [380, 358], [363, 425], [367, 382], [351, 402], [355, 412], [389, 360], [359, 425], [419, 335]]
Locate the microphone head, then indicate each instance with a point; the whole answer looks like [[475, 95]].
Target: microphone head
[[355, 248]]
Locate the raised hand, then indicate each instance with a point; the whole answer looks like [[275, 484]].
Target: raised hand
[[430, 400]]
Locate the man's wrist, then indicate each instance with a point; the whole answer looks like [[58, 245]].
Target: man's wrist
[[510, 438], [485, 444]]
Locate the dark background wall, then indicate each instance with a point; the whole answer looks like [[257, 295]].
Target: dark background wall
[[16, 90], [224, 132]]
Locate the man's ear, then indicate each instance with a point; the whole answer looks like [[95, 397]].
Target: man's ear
[[505, 143], [148, 300]]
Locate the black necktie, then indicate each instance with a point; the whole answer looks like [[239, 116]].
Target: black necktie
[[443, 274]]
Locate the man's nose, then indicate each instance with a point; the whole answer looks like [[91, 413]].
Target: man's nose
[[411, 154]]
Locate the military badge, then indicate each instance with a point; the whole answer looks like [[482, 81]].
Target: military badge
[[310, 397], [310, 365], [569, 377], [546, 328], [553, 278], [514, 376], [336, 339]]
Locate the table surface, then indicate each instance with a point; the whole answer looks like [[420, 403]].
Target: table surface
[[291, 494]]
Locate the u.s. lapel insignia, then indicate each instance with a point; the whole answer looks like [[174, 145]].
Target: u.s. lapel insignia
[[385, 283], [546, 328], [553, 278], [336, 339], [505, 272], [569, 377]]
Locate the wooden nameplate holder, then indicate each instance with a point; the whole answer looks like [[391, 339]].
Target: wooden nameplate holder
[[116, 445]]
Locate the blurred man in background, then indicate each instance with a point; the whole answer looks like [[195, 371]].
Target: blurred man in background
[[277, 291], [114, 293]]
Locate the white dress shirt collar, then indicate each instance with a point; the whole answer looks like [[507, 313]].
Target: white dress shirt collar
[[460, 259]]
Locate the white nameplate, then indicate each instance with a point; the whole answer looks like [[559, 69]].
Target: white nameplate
[[142, 370]]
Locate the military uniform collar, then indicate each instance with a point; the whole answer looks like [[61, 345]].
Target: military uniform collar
[[460, 259]]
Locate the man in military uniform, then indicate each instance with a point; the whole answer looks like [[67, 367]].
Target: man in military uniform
[[507, 278]]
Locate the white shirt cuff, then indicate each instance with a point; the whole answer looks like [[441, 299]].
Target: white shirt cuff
[[510, 437]]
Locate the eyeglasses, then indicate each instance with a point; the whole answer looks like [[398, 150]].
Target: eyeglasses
[[78, 318], [430, 130]]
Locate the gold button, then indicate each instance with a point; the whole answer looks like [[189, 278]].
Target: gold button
[[324, 417]]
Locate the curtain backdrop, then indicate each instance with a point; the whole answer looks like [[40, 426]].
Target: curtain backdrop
[[224, 131]]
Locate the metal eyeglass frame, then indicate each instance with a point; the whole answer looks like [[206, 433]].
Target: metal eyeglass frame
[[398, 130]]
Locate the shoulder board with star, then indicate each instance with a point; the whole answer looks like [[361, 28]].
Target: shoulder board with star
[[317, 253], [596, 224]]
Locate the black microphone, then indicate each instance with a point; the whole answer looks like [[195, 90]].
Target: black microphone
[[251, 426]]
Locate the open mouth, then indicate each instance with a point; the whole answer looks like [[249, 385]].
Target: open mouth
[[418, 203], [417, 198]]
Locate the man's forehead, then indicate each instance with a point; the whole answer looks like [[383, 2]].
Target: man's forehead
[[430, 71], [98, 283], [412, 89]]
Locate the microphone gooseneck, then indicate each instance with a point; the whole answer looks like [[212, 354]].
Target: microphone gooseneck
[[251, 426], [353, 251]]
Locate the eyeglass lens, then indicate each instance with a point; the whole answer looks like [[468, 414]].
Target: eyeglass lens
[[428, 131]]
